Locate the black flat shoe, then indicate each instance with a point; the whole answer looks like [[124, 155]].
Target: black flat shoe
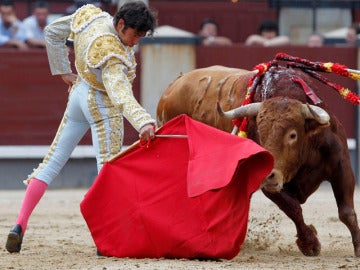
[[14, 240]]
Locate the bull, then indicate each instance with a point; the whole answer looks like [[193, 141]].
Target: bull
[[307, 141]]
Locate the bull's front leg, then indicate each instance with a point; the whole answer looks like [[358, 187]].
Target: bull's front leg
[[344, 195], [348, 216], [307, 241]]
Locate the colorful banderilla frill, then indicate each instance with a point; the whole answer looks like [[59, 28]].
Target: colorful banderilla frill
[[308, 67]]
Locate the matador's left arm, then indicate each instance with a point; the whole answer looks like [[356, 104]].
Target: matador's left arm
[[119, 89]]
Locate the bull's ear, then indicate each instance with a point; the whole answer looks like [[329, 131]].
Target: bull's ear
[[316, 119], [312, 127]]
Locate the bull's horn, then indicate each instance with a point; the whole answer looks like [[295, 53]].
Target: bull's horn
[[242, 111], [316, 113]]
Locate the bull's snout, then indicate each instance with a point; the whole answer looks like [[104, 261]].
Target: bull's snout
[[273, 182]]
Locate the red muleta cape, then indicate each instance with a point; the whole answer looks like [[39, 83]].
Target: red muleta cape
[[178, 198]]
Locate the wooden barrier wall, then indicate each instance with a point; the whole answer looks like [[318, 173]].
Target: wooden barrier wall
[[33, 101]]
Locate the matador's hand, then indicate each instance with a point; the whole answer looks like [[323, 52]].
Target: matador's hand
[[147, 132], [69, 79]]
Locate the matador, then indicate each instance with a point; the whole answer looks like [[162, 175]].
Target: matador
[[100, 94]]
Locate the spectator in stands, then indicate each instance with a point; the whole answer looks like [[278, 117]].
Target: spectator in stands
[[12, 31], [268, 35], [35, 25], [351, 35], [315, 40], [209, 33]]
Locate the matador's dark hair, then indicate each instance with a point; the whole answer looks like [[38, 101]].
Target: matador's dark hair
[[137, 15]]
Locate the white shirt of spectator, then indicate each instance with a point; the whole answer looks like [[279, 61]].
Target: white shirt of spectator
[[33, 30]]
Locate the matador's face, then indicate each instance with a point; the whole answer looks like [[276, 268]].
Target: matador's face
[[129, 36]]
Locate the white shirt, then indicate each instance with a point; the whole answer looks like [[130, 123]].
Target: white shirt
[[8, 33], [32, 28]]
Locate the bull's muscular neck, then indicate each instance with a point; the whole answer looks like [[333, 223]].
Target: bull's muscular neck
[[197, 92], [231, 92]]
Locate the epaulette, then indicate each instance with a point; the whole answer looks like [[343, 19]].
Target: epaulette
[[84, 16], [102, 48]]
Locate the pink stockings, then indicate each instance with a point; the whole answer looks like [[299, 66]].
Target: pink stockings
[[33, 194]]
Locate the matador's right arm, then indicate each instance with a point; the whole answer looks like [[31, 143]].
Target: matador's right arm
[[56, 35]]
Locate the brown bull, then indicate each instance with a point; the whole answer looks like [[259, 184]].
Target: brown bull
[[308, 144]]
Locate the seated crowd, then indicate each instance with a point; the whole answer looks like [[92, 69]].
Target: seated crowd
[[268, 36], [28, 33]]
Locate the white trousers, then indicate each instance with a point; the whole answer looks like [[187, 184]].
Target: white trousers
[[86, 108]]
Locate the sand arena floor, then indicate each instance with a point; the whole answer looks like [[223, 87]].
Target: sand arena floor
[[57, 237]]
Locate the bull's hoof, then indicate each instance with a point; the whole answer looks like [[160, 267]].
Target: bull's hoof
[[357, 248], [309, 245], [309, 249], [357, 252]]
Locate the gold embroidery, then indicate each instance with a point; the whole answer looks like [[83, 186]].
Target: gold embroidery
[[94, 49], [83, 15], [100, 128], [105, 47], [116, 138], [120, 92], [71, 36]]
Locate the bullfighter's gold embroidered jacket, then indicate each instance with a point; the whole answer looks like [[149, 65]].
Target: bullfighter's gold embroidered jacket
[[101, 59]]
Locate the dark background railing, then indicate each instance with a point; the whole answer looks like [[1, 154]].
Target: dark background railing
[[33, 101], [352, 4]]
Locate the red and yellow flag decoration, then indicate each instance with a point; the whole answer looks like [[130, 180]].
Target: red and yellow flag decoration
[[307, 66]]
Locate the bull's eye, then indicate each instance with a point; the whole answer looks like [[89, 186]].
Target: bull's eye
[[292, 137]]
